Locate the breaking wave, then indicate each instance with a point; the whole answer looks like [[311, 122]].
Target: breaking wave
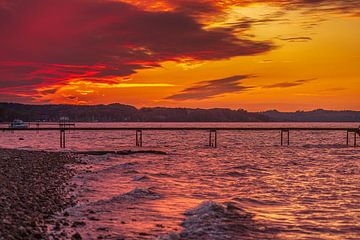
[[136, 194], [215, 221]]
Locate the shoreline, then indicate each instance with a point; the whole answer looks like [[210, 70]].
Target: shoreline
[[160, 197], [127, 213], [36, 186]]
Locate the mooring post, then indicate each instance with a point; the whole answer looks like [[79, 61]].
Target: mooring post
[[347, 138], [139, 138]]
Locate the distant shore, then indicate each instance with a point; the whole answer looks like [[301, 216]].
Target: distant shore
[[125, 113], [34, 185]]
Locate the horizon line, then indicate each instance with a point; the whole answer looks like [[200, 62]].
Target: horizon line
[[139, 108]]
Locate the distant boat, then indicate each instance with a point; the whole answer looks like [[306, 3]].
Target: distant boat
[[17, 123]]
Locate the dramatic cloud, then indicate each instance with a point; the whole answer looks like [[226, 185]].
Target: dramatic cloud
[[290, 84], [46, 42], [350, 7], [212, 88]]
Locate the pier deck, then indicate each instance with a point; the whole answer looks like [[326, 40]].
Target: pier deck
[[212, 131]]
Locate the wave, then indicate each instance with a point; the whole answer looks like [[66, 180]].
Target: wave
[[235, 174], [215, 221], [136, 194], [247, 167], [162, 175], [129, 166], [252, 201], [324, 146], [141, 178]]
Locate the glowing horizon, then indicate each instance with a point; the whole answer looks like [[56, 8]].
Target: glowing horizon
[[257, 55]]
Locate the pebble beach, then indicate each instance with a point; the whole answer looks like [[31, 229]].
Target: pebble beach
[[33, 187]]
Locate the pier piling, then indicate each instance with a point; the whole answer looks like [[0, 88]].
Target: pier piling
[[213, 138], [139, 140], [282, 136], [355, 144], [348, 142], [62, 138], [288, 137]]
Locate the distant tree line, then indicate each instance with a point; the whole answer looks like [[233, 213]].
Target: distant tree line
[[318, 115], [122, 113], [125, 113]]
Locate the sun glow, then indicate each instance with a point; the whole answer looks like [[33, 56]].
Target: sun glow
[[116, 51]]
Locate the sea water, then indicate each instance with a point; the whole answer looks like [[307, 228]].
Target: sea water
[[308, 190]]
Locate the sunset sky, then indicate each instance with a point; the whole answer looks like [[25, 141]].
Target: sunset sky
[[253, 54]]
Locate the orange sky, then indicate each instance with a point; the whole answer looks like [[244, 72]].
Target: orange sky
[[257, 55]]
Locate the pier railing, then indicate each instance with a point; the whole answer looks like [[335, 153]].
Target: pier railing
[[213, 139]]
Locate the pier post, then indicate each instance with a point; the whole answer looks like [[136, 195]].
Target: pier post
[[288, 135], [355, 144], [347, 138], [213, 138], [282, 137], [62, 138], [139, 138]]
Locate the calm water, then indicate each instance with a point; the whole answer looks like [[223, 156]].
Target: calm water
[[310, 190]]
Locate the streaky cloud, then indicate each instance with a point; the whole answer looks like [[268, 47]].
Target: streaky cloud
[[290, 84], [212, 88]]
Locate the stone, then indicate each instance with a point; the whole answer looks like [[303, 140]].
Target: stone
[[76, 236]]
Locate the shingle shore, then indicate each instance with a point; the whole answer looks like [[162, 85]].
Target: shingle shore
[[33, 187]]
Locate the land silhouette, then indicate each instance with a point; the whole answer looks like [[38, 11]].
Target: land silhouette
[[126, 113]]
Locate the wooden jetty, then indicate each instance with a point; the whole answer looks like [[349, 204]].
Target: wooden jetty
[[213, 139]]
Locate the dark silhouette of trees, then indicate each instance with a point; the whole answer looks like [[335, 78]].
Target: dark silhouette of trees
[[125, 113], [122, 113], [318, 115]]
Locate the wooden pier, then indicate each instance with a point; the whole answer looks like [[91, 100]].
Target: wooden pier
[[213, 139]]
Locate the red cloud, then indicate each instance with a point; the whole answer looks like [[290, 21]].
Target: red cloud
[[50, 41]]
